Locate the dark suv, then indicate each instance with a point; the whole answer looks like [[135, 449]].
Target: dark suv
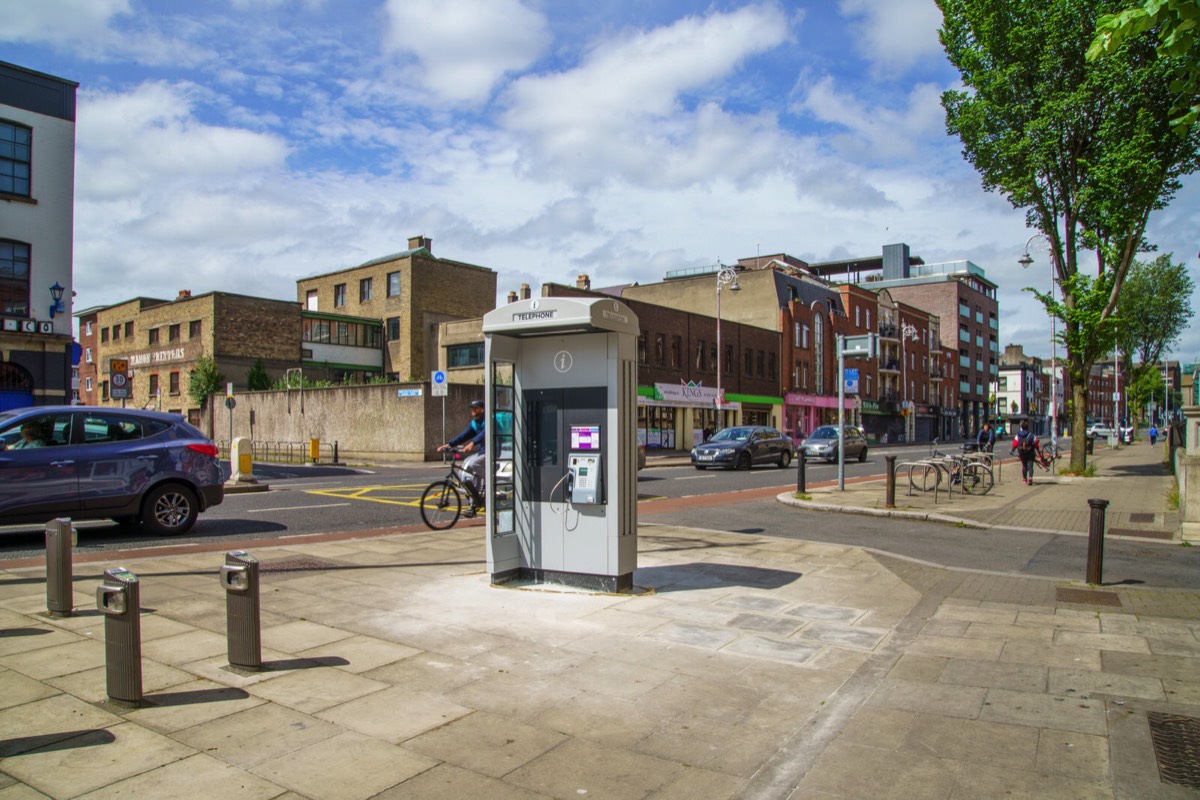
[[136, 467]]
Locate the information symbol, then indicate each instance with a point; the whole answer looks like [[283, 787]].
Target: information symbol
[[563, 361]]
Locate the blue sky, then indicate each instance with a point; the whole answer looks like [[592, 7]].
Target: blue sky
[[238, 145]]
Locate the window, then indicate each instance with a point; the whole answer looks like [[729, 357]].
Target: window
[[103, 335], [819, 353], [364, 290], [152, 337], [393, 329], [771, 366], [868, 319], [729, 359], [87, 384], [393, 287], [195, 328], [173, 384], [660, 349], [103, 390], [173, 333], [795, 334], [804, 337], [15, 158], [868, 386], [87, 328], [129, 330], [152, 385], [749, 363], [701, 352], [677, 351], [464, 355], [761, 362], [641, 348], [14, 278], [310, 300], [339, 295], [804, 377], [116, 332], [857, 311]]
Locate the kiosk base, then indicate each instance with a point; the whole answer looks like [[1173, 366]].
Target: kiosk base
[[617, 584]]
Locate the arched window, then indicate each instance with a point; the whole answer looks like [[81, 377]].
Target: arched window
[[14, 278], [14, 377]]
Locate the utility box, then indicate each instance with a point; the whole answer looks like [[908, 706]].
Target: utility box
[[562, 442]]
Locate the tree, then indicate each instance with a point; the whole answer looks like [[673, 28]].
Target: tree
[[204, 380], [1146, 386], [1084, 147], [1155, 308], [257, 379], [1176, 25]]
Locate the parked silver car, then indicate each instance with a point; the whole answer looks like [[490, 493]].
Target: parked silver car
[[823, 443]]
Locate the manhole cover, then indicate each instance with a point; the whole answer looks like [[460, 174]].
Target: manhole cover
[[1141, 516], [1140, 533], [298, 564], [1176, 748], [1089, 597]]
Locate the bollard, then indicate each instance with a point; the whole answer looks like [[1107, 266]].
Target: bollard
[[243, 631], [60, 538], [335, 453], [1095, 553], [800, 477], [119, 599], [889, 496]]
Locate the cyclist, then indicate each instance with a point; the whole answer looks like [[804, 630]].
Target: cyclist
[[987, 438], [473, 443]]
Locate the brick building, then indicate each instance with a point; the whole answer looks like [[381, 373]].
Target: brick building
[[411, 293], [37, 206], [161, 340]]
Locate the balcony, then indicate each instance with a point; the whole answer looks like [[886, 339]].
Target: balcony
[[890, 365], [936, 374], [888, 330]]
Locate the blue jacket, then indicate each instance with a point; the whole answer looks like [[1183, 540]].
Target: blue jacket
[[475, 432]]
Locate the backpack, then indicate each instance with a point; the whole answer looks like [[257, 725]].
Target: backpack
[[1026, 441]]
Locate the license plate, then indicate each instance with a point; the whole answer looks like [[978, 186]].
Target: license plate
[[705, 457]]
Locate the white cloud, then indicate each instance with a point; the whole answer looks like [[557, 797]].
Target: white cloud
[[896, 34], [874, 132], [622, 111], [57, 21], [465, 47]]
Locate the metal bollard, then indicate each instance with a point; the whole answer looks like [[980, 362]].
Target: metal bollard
[[889, 496], [60, 538], [800, 477], [1095, 553], [243, 631], [335, 452], [119, 598]]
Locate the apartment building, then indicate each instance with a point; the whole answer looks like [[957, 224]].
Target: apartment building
[[37, 197], [411, 293]]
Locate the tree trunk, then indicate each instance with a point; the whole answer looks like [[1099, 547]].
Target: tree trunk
[[1079, 409]]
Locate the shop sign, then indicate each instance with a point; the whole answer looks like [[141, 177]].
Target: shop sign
[[691, 394]]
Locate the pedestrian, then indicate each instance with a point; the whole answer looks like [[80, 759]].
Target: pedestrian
[[1153, 434], [1025, 445], [473, 442]]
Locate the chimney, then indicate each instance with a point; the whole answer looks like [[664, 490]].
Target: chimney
[[184, 294], [582, 281], [417, 242], [512, 297], [525, 292]]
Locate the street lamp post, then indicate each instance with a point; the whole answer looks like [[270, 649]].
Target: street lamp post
[[907, 331], [1025, 261], [726, 276]]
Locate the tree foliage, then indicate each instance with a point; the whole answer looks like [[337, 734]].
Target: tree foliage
[[257, 379], [1176, 26], [204, 380], [1084, 147], [1155, 308]]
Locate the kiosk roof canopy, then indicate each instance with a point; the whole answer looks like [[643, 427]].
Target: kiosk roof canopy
[[544, 316]]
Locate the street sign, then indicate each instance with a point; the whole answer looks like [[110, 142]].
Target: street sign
[[865, 346], [438, 383], [851, 378], [230, 403], [409, 393], [118, 365], [118, 379]]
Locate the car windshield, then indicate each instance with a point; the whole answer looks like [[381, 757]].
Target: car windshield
[[732, 435], [825, 432]]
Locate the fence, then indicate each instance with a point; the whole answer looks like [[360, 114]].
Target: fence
[[285, 452]]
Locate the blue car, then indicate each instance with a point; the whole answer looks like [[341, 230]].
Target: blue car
[[136, 467]]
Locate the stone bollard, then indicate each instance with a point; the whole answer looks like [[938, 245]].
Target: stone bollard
[[889, 497], [1095, 554]]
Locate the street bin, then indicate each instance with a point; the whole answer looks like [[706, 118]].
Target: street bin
[[119, 599], [1090, 445], [243, 628], [314, 450]]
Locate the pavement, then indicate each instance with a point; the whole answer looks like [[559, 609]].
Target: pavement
[[744, 666]]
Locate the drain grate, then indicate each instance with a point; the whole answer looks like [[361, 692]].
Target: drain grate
[[1141, 533], [297, 564], [1176, 748], [1089, 597], [1141, 516]]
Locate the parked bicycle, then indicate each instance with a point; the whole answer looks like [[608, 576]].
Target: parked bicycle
[[442, 501], [972, 473]]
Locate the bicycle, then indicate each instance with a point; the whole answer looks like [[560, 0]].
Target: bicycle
[[972, 473], [1046, 455], [442, 501]]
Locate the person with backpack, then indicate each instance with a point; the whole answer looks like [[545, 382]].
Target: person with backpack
[[1025, 445], [1153, 434]]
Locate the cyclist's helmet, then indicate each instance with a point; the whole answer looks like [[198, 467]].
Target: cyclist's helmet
[[476, 404]]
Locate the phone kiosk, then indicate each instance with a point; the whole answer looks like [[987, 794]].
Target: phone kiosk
[[562, 442]]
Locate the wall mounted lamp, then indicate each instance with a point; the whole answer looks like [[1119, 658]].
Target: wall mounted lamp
[[56, 292]]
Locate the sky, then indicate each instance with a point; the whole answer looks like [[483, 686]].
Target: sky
[[239, 145]]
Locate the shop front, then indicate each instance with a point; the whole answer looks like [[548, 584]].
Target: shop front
[[677, 416], [804, 413]]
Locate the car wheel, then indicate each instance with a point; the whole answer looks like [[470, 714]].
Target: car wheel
[[785, 458], [862, 454], [743, 461], [169, 510]]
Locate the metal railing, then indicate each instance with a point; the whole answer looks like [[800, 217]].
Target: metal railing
[[285, 452]]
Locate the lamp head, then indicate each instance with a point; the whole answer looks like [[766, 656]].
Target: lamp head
[[1025, 261]]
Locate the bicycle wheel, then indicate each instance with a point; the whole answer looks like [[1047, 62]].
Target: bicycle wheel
[[441, 505], [976, 479]]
